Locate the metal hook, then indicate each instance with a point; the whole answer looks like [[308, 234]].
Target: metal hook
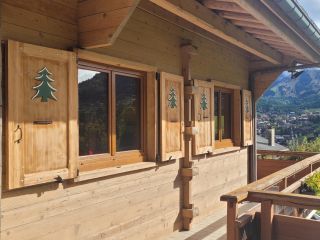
[[20, 138], [59, 179]]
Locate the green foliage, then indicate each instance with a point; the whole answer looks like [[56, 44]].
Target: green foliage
[[304, 145], [313, 183]]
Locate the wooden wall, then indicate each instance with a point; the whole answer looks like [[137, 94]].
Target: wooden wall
[[155, 42], [143, 205], [217, 175], [140, 205], [48, 23]]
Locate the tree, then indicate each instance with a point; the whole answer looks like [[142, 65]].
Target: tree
[[44, 89], [304, 145], [172, 98], [203, 102]]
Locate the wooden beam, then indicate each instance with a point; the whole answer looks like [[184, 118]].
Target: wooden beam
[[272, 38], [288, 227], [277, 11], [238, 16], [267, 211], [241, 194], [109, 60], [285, 199], [262, 13], [2, 80], [202, 17], [260, 31], [101, 22], [232, 215], [223, 6], [255, 25]]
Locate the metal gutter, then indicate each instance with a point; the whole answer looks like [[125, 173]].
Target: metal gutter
[[299, 16]]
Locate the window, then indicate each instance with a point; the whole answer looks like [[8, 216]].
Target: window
[[223, 99], [110, 117]]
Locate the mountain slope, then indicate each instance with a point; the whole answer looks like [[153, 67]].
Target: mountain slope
[[298, 94]]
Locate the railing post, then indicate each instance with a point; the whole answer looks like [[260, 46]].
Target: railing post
[[232, 214], [267, 211]]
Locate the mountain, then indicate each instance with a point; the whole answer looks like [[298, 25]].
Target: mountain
[[287, 94]]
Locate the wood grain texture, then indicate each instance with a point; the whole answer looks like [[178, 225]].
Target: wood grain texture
[[292, 228], [51, 24], [267, 167], [247, 118], [216, 176], [171, 118], [45, 151], [100, 23], [204, 118]]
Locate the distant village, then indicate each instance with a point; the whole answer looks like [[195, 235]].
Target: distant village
[[290, 126]]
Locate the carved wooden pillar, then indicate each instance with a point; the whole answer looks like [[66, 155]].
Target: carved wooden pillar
[[187, 171]]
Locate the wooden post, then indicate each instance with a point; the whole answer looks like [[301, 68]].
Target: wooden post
[[253, 174], [1, 107], [267, 212], [186, 52], [232, 214]]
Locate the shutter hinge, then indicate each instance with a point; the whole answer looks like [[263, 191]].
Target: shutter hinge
[[157, 76]]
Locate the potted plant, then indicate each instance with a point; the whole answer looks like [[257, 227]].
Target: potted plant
[[311, 185]]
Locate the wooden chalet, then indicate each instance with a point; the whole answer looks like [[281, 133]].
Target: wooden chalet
[[129, 119]]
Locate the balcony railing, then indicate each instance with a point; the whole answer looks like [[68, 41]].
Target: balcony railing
[[266, 222], [272, 161]]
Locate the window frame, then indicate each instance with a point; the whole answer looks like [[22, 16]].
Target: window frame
[[114, 158], [229, 142]]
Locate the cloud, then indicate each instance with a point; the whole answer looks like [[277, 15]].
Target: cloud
[[312, 7]]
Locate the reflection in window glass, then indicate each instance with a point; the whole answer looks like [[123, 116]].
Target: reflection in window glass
[[226, 115], [93, 108], [128, 113], [216, 115]]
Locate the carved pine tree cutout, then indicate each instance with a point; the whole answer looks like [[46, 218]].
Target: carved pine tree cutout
[[172, 99], [203, 102], [44, 90]]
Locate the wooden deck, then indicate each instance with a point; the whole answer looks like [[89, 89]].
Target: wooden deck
[[214, 227]]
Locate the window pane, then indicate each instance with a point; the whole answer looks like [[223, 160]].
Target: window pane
[[216, 115], [93, 112], [128, 113], [226, 115]]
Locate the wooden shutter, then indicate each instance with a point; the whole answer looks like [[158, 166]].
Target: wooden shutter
[[247, 121], [204, 117], [171, 116], [236, 117], [42, 133]]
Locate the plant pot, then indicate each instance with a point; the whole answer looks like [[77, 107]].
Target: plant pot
[[304, 189]]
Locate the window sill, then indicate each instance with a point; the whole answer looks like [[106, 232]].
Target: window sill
[[220, 151], [88, 175]]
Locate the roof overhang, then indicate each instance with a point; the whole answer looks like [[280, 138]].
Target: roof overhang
[[272, 22], [256, 26]]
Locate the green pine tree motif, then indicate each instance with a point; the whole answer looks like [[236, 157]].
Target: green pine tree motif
[[203, 102], [172, 98], [44, 89]]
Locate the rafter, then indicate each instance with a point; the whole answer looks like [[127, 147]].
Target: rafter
[[202, 17]]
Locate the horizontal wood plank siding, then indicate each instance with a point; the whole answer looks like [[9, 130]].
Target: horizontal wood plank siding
[[47, 23], [143, 204], [121, 202], [160, 43], [217, 176]]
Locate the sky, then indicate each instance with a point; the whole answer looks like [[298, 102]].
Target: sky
[[313, 9]]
